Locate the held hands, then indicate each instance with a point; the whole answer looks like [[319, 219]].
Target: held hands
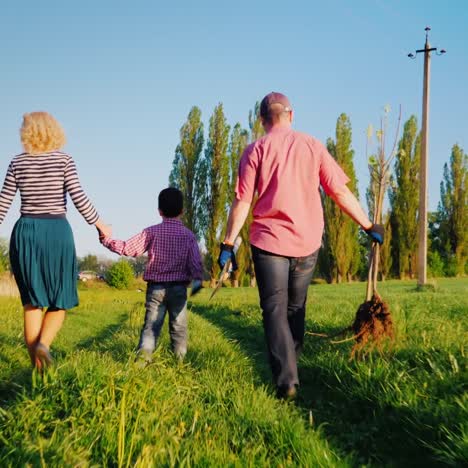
[[376, 232], [103, 229], [226, 253]]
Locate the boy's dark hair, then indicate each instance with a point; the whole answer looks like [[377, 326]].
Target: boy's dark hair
[[171, 202]]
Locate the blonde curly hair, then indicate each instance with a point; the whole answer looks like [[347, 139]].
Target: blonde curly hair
[[41, 133]]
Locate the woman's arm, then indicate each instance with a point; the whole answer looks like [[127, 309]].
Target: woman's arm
[[78, 196], [8, 192]]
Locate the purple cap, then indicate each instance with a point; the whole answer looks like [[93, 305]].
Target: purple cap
[[266, 106]]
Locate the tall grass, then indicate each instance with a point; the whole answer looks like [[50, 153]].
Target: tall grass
[[98, 407], [406, 406]]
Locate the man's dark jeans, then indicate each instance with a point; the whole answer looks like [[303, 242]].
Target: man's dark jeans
[[282, 285]]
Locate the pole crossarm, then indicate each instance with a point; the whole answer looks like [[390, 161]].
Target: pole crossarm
[[427, 48]]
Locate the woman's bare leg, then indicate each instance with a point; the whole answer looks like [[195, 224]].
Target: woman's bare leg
[[32, 330], [51, 324]]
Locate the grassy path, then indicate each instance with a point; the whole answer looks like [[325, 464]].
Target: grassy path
[[99, 408], [406, 408]]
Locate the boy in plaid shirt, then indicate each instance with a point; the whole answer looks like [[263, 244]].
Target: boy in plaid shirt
[[173, 261]]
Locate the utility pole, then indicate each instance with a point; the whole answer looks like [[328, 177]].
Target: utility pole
[[422, 238]]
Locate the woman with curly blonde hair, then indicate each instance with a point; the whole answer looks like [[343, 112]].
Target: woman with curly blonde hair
[[42, 249]]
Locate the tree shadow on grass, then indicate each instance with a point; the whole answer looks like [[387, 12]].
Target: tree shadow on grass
[[105, 341], [355, 422], [250, 338]]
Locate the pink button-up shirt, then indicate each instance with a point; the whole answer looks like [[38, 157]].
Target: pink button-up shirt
[[173, 253], [286, 169]]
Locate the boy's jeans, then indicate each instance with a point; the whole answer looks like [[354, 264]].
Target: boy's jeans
[[162, 297]]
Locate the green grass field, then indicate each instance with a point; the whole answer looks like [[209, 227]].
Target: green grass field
[[97, 407]]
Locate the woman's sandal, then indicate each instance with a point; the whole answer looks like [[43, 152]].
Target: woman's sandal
[[43, 354]]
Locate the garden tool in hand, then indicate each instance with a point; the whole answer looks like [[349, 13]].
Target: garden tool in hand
[[228, 266]]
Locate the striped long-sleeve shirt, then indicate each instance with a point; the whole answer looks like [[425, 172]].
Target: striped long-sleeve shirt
[[43, 181]]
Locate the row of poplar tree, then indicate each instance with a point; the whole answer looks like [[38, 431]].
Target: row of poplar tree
[[205, 169]]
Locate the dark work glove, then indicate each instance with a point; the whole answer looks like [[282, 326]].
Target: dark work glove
[[227, 253], [376, 232], [196, 287]]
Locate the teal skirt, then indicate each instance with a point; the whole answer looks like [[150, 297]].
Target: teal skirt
[[43, 260]]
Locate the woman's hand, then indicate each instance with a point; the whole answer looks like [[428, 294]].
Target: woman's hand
[[103, 229]]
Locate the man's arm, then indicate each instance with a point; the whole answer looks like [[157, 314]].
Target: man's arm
[[237, 216], [347, 202]]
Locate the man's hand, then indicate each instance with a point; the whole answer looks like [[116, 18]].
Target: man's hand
[[377, 233], [226, 253], [196, 287]]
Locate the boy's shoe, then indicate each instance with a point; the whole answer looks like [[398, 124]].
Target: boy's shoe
[[43, 354], [180, 353], [286, 392], [144, 357]]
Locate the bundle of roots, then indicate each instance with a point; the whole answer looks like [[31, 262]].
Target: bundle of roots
[[372, 325]]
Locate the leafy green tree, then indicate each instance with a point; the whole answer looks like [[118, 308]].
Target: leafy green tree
[[255, 123], [439, 254], [256, 131], [215, 192], [244, 254], [88, 262], [120, 274], [435, 240], [373, 188], [385, 254], [385, 249], [404, 199], [372, 192], [386, 260], [341, 241], [364, 247], [237, 144], [186, 172], [435, 264], [453, 211], [139, 264]]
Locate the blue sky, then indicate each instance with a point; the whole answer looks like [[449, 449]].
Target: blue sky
[[121, 78]]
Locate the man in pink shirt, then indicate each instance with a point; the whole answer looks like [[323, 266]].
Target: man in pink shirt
[[285, 169]]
